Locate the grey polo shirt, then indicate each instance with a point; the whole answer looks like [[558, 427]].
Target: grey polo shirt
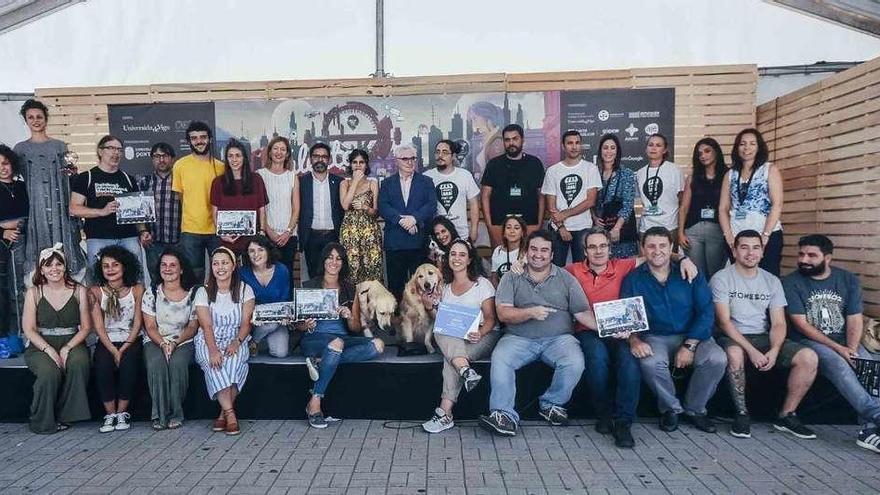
[[559, 291]]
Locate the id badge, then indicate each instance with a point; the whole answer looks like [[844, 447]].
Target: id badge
[[707, 213], [740, 215], [515, 192], [652, 211]]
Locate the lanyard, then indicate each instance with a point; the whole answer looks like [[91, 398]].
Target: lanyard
[[743, 192]]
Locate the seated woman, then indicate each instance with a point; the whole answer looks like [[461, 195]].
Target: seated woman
[[328, 343], [270, 282], [442, 232], [55, 322], [512, 249], [224, 307], [170, 324], [117, 322], [465, 286]]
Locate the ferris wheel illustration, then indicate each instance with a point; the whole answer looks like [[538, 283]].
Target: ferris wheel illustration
[[357, 125]]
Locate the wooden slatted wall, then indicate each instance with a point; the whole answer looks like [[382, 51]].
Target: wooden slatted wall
[[826, 139]]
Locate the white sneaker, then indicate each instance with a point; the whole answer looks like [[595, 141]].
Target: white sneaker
[[313, 369], [440, 422], [122, 421], [107, 427]]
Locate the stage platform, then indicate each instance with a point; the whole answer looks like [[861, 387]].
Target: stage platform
[[408, 388]]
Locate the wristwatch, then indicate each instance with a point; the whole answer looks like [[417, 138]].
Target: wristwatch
[[691, 346]]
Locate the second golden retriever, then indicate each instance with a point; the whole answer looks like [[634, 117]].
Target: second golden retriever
[[416, 322]]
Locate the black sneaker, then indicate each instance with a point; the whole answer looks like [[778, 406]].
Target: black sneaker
[[701, 422], [791, 424], [622, 436], [869, 438], [499, 423], [741, 427], [603, 426], [669, 421], [471, 378], [316, 420], [555, 415]]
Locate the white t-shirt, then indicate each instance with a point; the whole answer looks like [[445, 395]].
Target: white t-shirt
[[171, 317], [570, 184], [473, 297], [279, 188], [667, 181], [453, 192], [500, 259]]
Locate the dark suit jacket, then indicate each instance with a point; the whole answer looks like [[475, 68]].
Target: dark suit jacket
[[307, 213], [422, 205]]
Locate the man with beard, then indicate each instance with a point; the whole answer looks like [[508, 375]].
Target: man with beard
[[538, 306], [165, 232], [825, 306], [456, 190], [320, 212], [191, 178], [750, 311], [512, 185], [680, 317]]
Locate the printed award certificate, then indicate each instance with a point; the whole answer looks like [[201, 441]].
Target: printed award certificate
[[455, 320], [621, 315]]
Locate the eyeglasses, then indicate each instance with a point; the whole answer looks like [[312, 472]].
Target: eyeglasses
[[406, 158], [442, 152], [161, 156], [116, 149]]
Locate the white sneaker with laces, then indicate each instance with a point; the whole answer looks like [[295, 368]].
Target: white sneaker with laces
[[122, 421], [440, 422], [107, 427]]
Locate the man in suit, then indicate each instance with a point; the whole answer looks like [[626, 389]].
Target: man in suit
[[320, 212], [407, 204]]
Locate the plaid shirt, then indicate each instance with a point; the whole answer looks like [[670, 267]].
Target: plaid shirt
[[167, 226]]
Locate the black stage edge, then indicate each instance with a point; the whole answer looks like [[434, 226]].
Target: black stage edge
[[393, 388]]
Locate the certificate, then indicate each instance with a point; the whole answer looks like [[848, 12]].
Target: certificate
[[318, 304], [455, 320], [621, 315], [276, 312], [236, 222], [868, 372], [135, 207]]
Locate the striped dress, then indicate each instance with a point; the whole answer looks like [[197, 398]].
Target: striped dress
[[226, 318]]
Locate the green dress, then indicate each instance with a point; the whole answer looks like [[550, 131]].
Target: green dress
[[362, 238]]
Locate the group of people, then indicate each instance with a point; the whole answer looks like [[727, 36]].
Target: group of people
[[535, 305]]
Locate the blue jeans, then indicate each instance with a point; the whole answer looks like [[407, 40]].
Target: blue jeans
[[195, 247], [597, 354], [93, 246], [354, 349], [843, 377], [513, 352], [576, 245]]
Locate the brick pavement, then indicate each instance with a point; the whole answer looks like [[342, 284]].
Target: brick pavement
[[365, 457]]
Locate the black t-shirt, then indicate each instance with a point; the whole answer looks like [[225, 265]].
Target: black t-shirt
[[13, 200], [515, 187], [100, 188]]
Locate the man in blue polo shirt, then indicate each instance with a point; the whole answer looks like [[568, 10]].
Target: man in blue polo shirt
[[680, 316]]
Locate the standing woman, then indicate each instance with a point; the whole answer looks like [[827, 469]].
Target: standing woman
[[238, 189], [660, 185], [170, 324], [512, 249], [224, 307], [116, 313], [56, 322], [615, 206], [47, 177], [282, 212], [464, 285], [753, 197], [698, 230], [13, 212], [360, 233], [270, 282]]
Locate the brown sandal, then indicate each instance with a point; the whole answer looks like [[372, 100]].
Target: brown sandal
[[231, 424], [219, 423]]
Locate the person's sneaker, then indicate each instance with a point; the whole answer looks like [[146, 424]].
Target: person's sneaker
[[603, 426], [701, 422], [622, 435], [107, 427], [313, 369], [791, 424], [499, 423], [471, 378], [122, 421], [440, 422], [741, 427], [316, 420], [669, 421], [869, 438], [555, 415]]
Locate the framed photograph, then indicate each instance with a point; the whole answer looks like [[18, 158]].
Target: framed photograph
[[276, 312], [319, 304], [236, 222], [135, 207], [621, 315], [868, 372]]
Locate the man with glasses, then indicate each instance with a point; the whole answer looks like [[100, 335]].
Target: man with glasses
[[320, 212], [680, 316], [192, 178], [407, 204], [165, 232], [456, 190], [601, 278]]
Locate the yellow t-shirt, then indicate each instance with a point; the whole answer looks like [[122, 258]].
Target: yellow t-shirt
[[192, 178]]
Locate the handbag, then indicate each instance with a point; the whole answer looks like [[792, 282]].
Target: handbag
[[611, 213], [871, 335], [11, 346]]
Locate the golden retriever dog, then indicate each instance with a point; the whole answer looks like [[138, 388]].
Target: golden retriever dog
[[377, 307], [416, 322]]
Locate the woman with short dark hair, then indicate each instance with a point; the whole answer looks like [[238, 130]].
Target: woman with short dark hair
[[270, 281], [360, 233]]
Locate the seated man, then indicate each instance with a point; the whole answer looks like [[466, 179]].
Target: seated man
[[680, 317], [746, 297], [538, 307], [825, 307]]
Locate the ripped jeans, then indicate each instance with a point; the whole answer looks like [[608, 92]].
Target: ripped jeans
[[317, 345]]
